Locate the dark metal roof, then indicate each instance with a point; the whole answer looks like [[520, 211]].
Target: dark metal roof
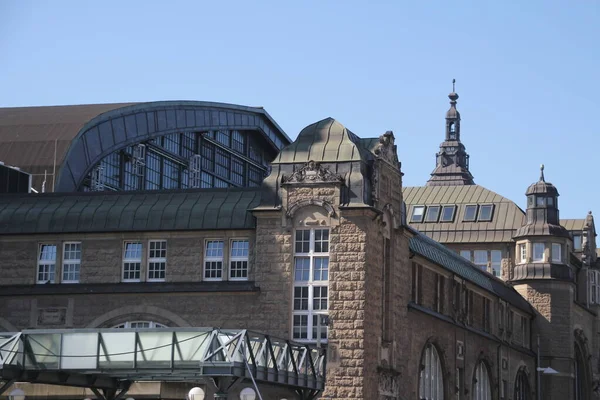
[[39, 139], [199, 209], [446, 258]]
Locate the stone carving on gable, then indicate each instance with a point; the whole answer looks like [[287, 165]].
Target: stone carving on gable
[[310, 202], [313, 172], [386, 149]]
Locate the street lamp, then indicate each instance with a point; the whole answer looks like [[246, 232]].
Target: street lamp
[[196, 393], [248, 394]]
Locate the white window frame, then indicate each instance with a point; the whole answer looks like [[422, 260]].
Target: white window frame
[[559, 247], [212, 259], [156, 260], [128, 325], [132, 261], [533, 256], [412, 215], [431, 374], [236, 259], [311, 284], [72, 261], [523, 252], [49, 265]]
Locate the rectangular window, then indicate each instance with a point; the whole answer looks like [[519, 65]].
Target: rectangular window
[[416, 283], [539, 201], [152, 171], [510, 322], [577, 242], [538, 252], [213, 260], [71, 262], [238, 142], [556, 252], [132, 261], [501, 316], [485, 212], [447, 214], [524, 331], [523, 252], [466, 254], [238, 260], [487, 316], [223, 137], [496, 262], [417, 214], [157, 260], [439, 293], [470, 213], [480, 258], [46, 263], [311, 283], [433, 213]]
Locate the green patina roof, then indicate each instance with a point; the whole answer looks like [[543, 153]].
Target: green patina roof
[[443, 256], [324, 141], [200, 209]]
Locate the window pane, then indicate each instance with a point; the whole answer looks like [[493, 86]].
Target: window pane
[[470, 213], [485, 212], [321, 269], [302, 269], [523, 251], [447, 214], [214, 248], [540, 200], [300, 327], [301, 298], [321, 240], [417, 215], [496, 256], [538, 251], [556, 252], [466, 254], [433, 212], [480, 257], [302, 241], [577, 242]]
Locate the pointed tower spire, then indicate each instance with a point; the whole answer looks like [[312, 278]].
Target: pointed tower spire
[[452, 161]]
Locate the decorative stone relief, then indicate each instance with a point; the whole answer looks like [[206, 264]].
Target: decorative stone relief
[[313, 172], [389, 386], [386, 149], [52, 316]]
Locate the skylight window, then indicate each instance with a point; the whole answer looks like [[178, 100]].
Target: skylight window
[[485, 212], [470, 213], [433, 213], [418, 213], [447, 213]]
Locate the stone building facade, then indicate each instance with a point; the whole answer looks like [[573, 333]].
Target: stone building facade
[[324, 252]]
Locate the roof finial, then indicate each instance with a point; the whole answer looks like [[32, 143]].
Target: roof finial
[[542, 173], [453, 87]]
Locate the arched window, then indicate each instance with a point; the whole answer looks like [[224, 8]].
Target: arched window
[[139, 324], [581, 381], [481, 384], [522, 391], [431, 378]]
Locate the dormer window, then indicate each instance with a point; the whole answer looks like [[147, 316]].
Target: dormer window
[[433, 213], [417, 214], [447, 214], [485, 212], [470, 213], [538, 252]]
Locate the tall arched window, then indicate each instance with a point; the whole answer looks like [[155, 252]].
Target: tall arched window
[[431, 378], [522, 391], [581, 381], [482, 389]]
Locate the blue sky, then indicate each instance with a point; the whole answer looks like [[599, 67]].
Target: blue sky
[[527, 73]]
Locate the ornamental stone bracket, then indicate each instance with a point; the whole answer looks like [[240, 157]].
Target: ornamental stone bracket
[[311, 173]]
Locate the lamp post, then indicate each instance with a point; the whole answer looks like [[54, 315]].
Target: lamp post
[[16, 394]]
